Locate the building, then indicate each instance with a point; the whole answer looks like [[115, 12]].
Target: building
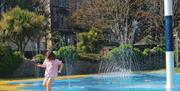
[[61, 11], [1, 6]]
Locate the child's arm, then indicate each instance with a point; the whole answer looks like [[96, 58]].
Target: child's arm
[[40, 65], [60, 67]]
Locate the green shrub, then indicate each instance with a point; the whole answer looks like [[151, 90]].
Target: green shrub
[[154, 58], [67, 54], [9, 60], [125, 52], [126, 56], [81, 48], [39, 58], [90, 57], [155, 50], [158, 50], [147, 52], [90, 42], [18, 57]]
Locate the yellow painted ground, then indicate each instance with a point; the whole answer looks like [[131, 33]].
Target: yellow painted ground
[[4, 86]]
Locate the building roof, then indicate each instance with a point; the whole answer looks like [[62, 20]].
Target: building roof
[[148, 40]]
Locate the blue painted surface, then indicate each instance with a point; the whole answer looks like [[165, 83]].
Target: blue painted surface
[[168, 33], [133, 82]]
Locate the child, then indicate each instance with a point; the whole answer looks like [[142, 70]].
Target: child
[[52, 66]]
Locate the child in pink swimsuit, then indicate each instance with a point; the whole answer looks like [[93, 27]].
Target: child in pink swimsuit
[[52, 66]]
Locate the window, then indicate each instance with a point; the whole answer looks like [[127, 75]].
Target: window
[[62, 3], [54, 14], [62, 22], [1, 6], [77, 4]]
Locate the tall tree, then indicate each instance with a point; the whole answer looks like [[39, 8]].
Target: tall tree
[[117, 15], [130, 20], [151, 18], [41, 7], [20, 26]]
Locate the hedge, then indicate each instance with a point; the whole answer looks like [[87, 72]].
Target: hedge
[[9, 60]]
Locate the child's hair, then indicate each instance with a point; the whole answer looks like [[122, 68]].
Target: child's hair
[[50, 55]]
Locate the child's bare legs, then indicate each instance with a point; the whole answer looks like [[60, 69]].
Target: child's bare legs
[[47, 83], [48, 86]]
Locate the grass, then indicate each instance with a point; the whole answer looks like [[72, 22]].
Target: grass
[[177, 69]]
